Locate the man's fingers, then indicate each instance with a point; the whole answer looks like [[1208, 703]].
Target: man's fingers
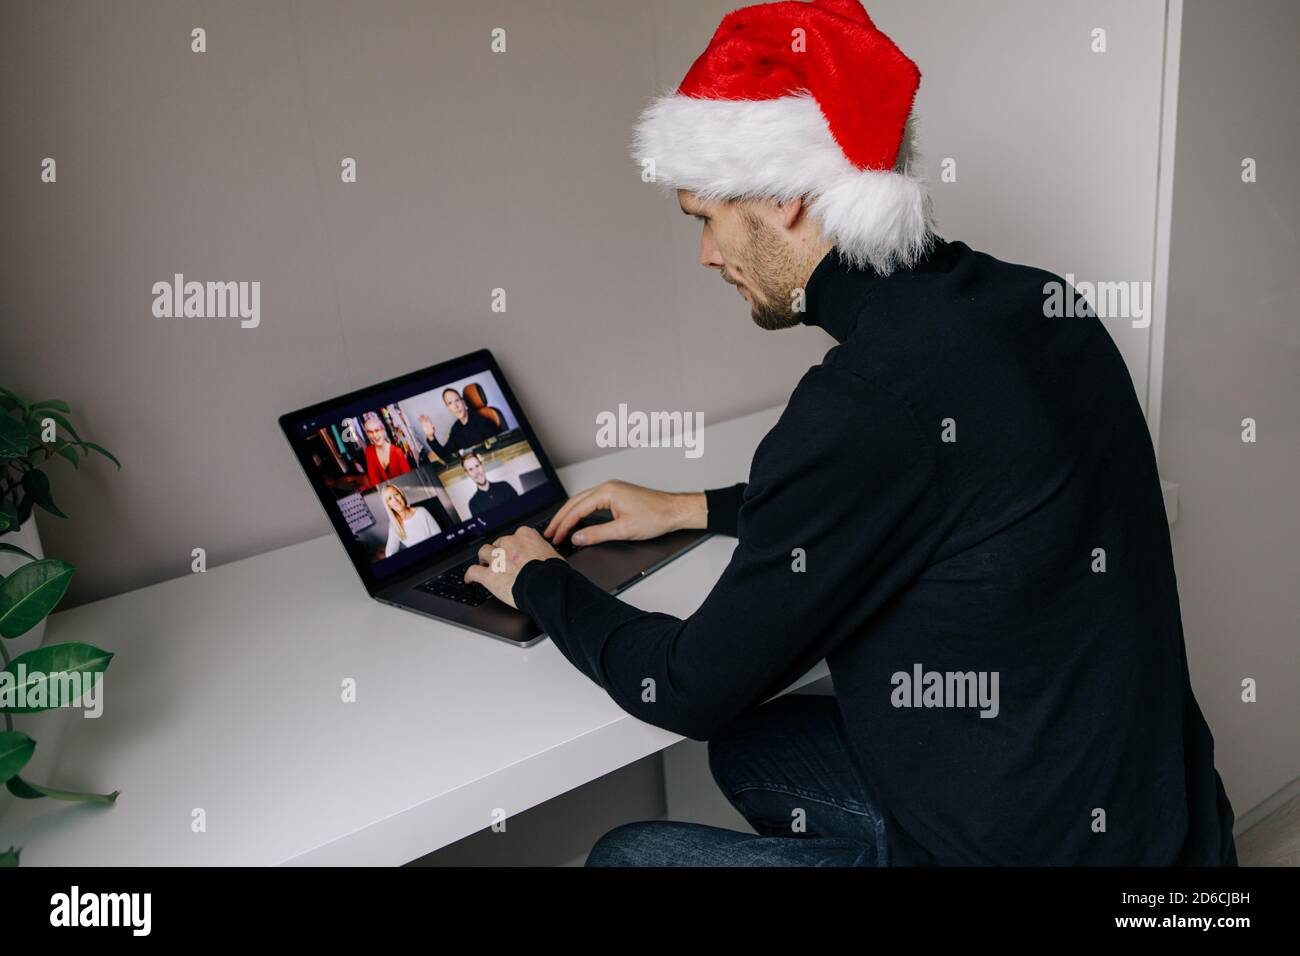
[[606, 531], [577, 509], [577, 500], [564, 510], [476, 574], [571, 520]]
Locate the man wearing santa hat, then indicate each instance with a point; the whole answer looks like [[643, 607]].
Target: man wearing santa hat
[[958, 510]]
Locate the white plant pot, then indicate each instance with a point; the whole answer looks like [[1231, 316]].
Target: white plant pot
[[28, 538]]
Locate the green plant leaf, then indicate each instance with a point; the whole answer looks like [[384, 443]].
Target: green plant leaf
[[22, 789], [69, 451], [34, 791], [62, 423], [15, 750], [9, 857], [53, 403], [102, 450], [44, 664], [8, 517], [13, 438], [10, 400], [38, 484], [14, 549], [30, 593]]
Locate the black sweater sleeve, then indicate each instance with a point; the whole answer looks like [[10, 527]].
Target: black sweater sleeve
[[724, 508], [835, 520]]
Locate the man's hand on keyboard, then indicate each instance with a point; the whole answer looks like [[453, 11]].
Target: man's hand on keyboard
[[500, 561]]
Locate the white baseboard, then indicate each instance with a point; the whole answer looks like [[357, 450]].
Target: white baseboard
[[1265, 809]]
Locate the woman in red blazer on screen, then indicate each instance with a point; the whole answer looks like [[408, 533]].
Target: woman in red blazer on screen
[[384, 460]]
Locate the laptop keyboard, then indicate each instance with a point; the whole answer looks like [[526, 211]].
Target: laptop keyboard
[[450, 584]]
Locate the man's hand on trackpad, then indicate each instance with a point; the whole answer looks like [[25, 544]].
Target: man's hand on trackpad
[[639, 514]]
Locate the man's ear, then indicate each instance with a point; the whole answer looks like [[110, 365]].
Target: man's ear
[[792, 211]]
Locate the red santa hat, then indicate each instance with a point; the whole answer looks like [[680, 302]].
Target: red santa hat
[[800, 99]]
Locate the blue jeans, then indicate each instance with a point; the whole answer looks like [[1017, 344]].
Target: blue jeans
[[787, 768]]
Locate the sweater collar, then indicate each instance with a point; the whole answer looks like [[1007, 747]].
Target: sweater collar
[[835, 291]]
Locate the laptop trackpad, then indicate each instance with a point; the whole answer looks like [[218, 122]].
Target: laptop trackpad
[[617, 564], [612, 564]]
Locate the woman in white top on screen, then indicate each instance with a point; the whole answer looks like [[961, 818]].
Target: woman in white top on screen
[[406, 525]]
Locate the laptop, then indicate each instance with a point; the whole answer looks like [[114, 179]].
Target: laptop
[[417, 473]]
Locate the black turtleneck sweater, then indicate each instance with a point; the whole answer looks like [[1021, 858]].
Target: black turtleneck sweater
[[970, 490]]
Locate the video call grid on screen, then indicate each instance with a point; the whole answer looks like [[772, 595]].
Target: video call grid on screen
[[444, 481]]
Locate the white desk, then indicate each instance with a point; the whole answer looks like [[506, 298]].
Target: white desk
[[226, 694]]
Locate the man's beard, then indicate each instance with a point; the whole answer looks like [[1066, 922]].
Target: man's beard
[[774, 275]]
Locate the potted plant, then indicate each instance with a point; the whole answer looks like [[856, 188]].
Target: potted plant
[[31, 435]]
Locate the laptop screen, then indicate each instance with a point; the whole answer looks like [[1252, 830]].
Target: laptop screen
[[411, 468]]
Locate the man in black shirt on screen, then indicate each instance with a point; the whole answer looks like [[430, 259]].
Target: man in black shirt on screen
[[959, 510], [487, 494]]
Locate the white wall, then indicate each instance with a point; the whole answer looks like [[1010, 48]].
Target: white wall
[[476, 172], [1232, 352], [1056, 147]]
